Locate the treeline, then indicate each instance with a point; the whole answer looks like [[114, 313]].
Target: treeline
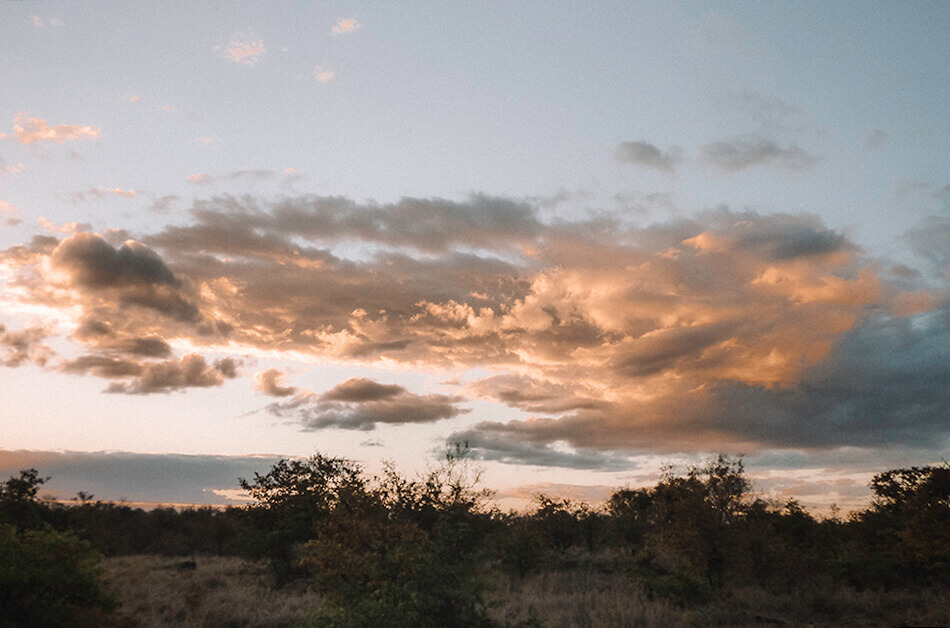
[[388, 550]]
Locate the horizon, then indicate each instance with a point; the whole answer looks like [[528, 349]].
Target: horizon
[[588, 242]]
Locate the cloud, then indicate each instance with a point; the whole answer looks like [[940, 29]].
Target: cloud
[[7, 208], [361, 403], [66, 227], [39, 22], [324, 75], [244, 48], [6, 168], [271, 382], [25, 346], [157, 377], [345, 26], [32, 130], [647, 155], [771, 115], [876, 139], [162, 205], [99, 192], [741, 153], [728, 330], [246, 174], [151, 478]]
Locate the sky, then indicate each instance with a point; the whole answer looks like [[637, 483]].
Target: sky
[[589, 240]]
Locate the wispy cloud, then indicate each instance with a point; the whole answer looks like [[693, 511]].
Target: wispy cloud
[[32, 130], [876, 139], [40, 22], [244, 48], [6, 168], [345, 26], [324, 75], [99, 193], [746, 152], [647, 155]]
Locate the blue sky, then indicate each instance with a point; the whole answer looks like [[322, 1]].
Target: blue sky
[[601, 208]]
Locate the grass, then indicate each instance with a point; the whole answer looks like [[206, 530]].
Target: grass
[[220, 591], [230, 592], [584, 598]]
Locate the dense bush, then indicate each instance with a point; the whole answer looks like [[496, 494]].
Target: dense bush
[[47, 578]]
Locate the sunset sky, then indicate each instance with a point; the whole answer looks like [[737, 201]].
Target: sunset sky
[[586, 238]]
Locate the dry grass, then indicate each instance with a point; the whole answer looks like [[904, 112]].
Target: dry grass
[[585, 598], [225, 591], [221, 591], [581, 598]]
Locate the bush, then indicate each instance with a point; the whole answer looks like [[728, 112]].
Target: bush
[[47, 578]]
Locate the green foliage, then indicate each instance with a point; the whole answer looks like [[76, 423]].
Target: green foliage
[[47, 578], [294, 499], [18, 499], [405, 553]]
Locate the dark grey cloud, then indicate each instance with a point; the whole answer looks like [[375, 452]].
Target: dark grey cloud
[[102, 366], [645, 154], [746, 152], [883, 387], [490, 443], [360, 403], [156, 478], [191, 371], [96, 264]]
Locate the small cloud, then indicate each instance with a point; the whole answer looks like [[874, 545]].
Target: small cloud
[[8, 208], [6, 168], [646, 154], [876, 139], [207, 141], [128, 98], [66, 227], [97, 192], [741, 153], [39, 22], [200, 178], [324, 75], [244, 48], [168, 108], [163, 204], [345, 26], [271, 382], [361, 404], [32, 130]]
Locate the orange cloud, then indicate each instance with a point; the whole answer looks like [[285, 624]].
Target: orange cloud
[[732, 330], [345, 26], [32, 130], [245, 48], [324, 75]]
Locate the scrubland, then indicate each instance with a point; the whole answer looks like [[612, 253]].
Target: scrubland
[[326, 545]]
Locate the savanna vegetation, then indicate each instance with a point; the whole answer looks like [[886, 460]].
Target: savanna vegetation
[[325, 544]]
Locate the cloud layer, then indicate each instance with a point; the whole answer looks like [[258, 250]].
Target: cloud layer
[[729, 330]]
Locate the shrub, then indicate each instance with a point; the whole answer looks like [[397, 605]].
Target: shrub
[[47, 578]]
